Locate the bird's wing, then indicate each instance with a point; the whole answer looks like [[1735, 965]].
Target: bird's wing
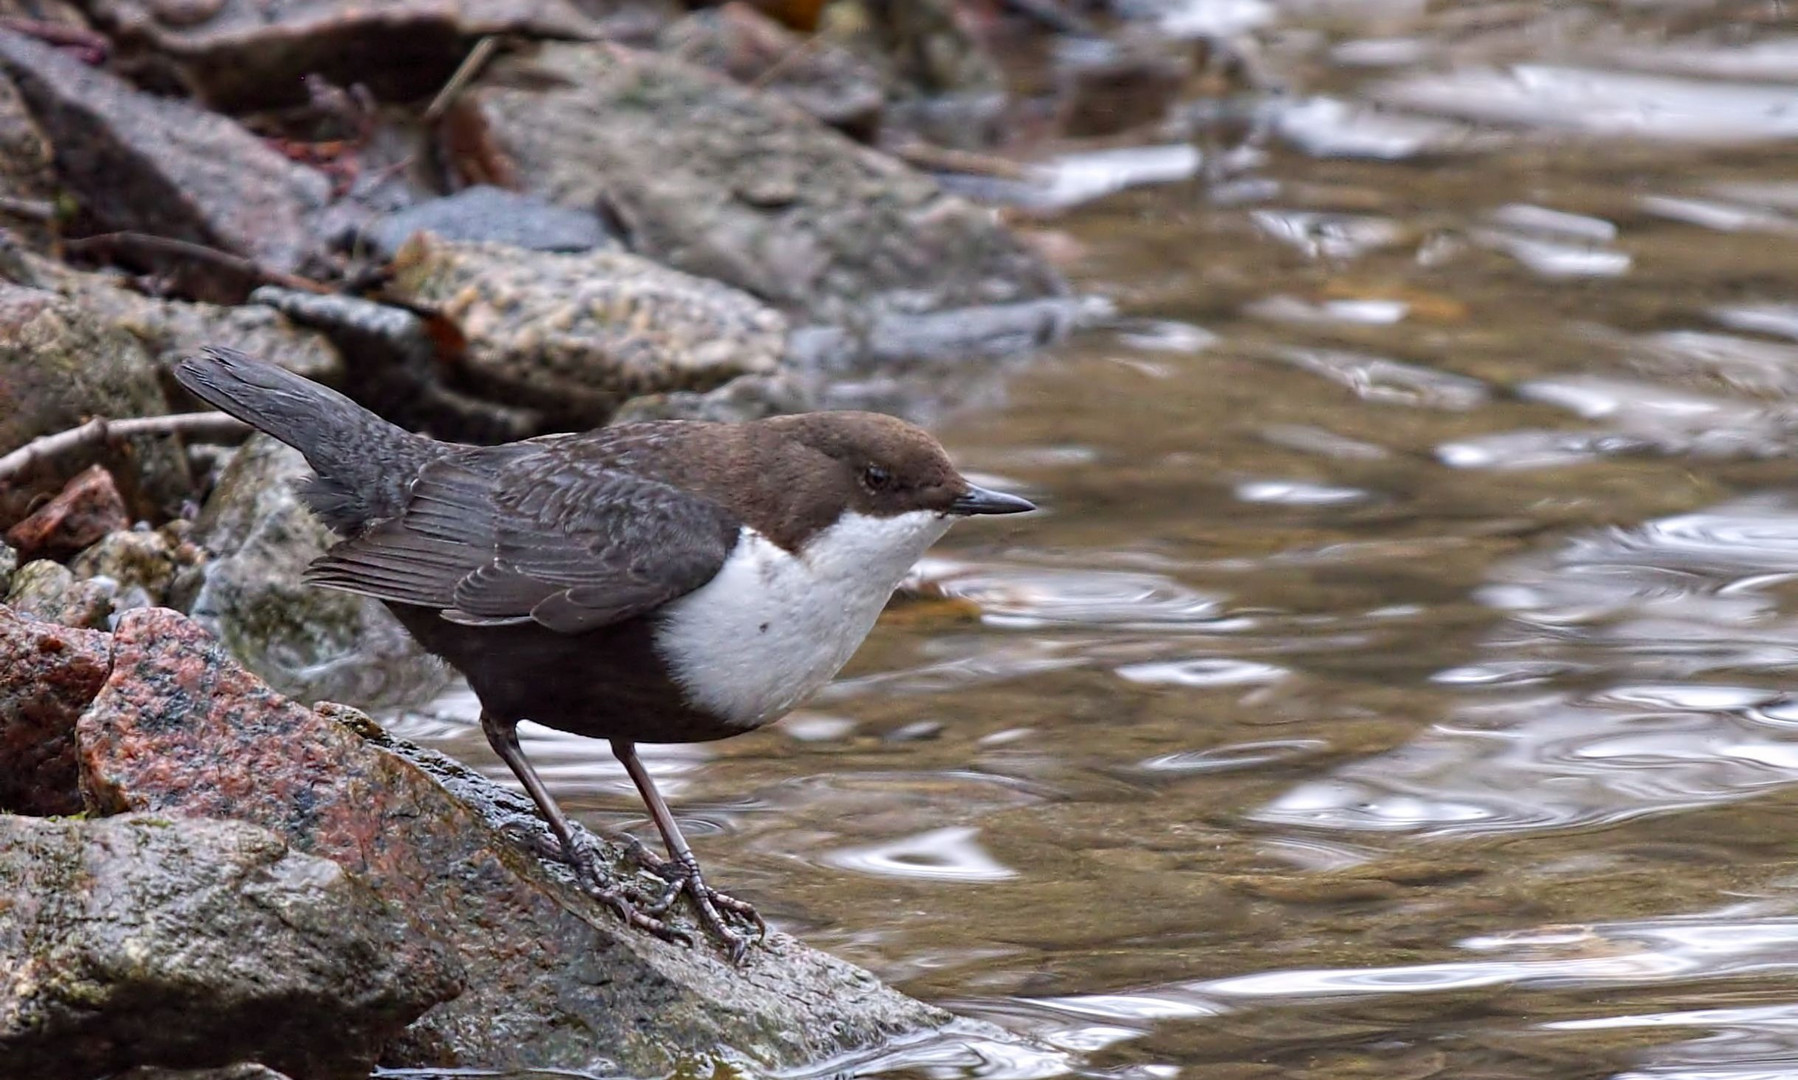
[[534, 537]]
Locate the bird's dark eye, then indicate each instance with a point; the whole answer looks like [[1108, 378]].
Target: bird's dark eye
[[876, 478]]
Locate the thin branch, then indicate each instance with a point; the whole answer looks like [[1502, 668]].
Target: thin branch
[[149, 244], [465, 72], [924, 155], [786, 60], [29, 209], [94, 47], [100, 430]]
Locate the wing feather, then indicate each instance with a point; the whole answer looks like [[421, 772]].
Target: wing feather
[[523, 533]]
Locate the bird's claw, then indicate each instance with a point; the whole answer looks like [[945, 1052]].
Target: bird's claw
[[682, 876], [633, 905]]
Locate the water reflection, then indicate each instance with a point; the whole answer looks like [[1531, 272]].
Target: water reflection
[[1401, 681]]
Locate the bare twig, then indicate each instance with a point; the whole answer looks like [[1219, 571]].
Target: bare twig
[[100, 430], [786, 60], [149, 244], [942, 159], [93, 47], [29, 209], [465, 72]]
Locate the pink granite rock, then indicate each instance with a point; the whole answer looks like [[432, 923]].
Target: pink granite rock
[[48, 675], [555, 979]]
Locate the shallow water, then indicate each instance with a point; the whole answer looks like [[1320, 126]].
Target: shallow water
[[1399, 679]]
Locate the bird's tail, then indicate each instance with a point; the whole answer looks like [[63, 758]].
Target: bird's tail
[[364, 464]]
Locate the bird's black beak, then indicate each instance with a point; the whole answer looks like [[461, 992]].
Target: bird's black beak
[[978, 500]]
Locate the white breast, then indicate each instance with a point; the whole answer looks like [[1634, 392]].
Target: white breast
[[773, 627]]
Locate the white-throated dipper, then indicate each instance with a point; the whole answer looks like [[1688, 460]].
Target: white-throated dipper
[[668, 581]]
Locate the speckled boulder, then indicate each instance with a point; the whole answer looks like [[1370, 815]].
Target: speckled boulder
[[146, 940], [246, 54], [160, 165], [308, 642], [142, 564], [574, 335], [555, 979], [87, 508], [49, 591], [171, 329], [61, 365], [731, 183], [48, 675], [26, 174]]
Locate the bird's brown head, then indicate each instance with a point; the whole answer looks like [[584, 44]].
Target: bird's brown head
[[882, 466]]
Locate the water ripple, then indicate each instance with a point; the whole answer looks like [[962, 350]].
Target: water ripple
[[1026, 597]]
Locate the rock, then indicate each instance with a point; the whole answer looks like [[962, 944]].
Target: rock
[[47, 590], [554, 979], [27, 175], [1108, 88], [746, 397], [48, 675], [398, 372], [927, 44], [87, 508], [249, 54], [141, 940], [308, 642], [575, 335], [162, 166], [9, 561], [246, 1071], [137, 560], [172, 329], [60, 366], [488, 214], [820, 77], [728, 183]]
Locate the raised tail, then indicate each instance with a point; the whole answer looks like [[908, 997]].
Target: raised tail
[[364, 464]]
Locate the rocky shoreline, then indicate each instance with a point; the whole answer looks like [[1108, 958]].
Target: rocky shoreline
[[485, 221]]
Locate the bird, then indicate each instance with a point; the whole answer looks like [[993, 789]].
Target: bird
[[661, 581]]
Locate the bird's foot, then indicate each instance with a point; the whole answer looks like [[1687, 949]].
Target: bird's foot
[[682, 877], [634, 906]]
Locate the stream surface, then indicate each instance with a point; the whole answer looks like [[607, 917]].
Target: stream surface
[[1402, 677]]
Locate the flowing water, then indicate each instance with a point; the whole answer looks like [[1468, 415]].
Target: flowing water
[[1402, 678]]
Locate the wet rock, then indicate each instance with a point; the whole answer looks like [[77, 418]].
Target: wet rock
[[554, 979], [141, 940], [494, 215], [87, 508], [746, 397], [398, 372], [246, 54], [728, 183], [576, 335], [928, 44], [171, 329], [248, 1071], [308, 642], [48, 675], [1108, 87], [162, 166], [27, 175], [822, 78], [47, 590], [60, 366], [141, 562]]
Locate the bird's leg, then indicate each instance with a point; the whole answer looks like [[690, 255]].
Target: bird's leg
[[502, 735], [681, 870]]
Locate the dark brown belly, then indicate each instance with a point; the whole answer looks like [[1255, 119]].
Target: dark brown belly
[[605, 684]]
